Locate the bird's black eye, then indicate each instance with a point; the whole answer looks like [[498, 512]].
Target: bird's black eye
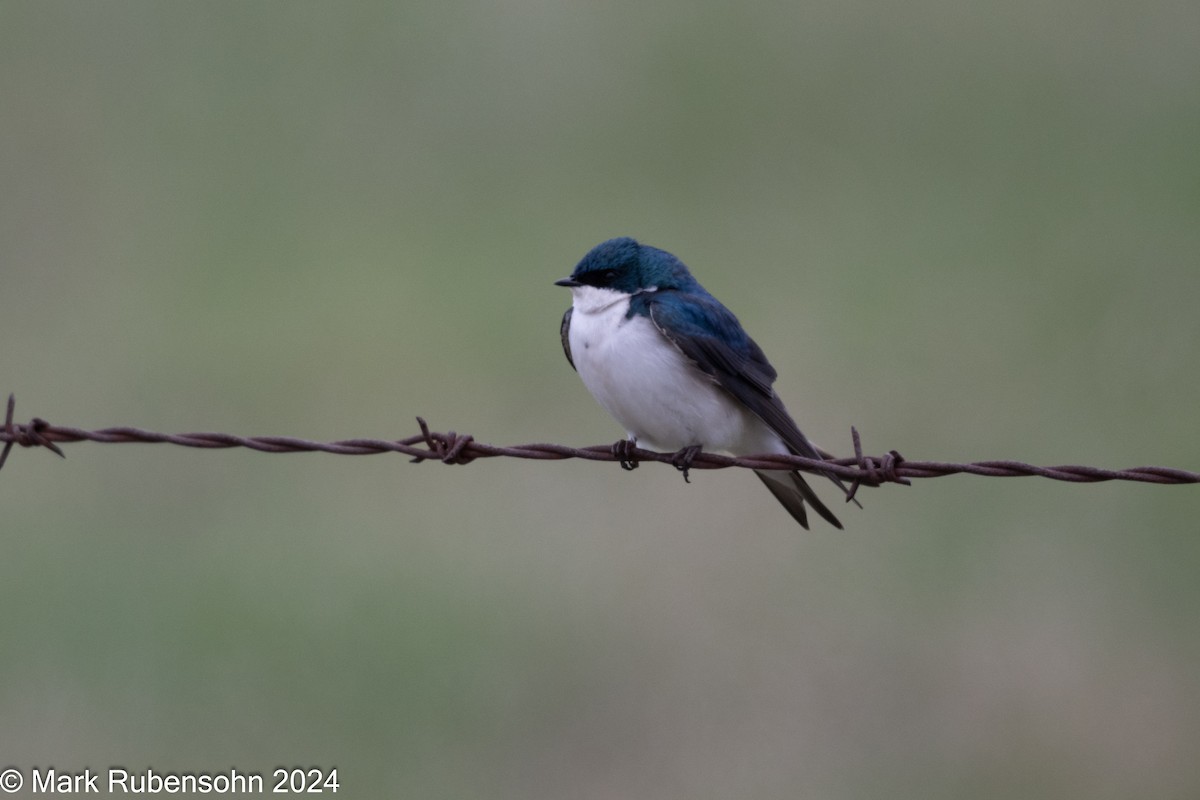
[[600, 278]]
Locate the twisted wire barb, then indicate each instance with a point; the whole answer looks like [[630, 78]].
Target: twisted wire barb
[[453, 448]]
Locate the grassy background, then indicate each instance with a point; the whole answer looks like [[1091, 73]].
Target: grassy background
[[970, 230]]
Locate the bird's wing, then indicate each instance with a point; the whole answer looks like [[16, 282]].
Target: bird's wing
[[564, 331], [711, 337]]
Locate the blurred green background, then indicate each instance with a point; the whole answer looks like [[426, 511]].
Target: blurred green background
[[972, 230]]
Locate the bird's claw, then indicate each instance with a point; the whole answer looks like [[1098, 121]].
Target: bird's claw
[[624, 450], [682, 460]]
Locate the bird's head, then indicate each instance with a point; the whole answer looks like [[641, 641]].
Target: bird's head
[[626, 267]]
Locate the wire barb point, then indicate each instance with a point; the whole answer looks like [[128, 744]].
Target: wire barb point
[[31, 435], [449, 448], [872, 472]]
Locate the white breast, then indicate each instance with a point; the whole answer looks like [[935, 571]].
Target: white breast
[[647, 385]]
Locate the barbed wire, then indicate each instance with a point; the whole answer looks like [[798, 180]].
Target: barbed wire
[[455, 448]]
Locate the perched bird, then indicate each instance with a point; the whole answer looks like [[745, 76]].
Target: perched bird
[[674, 367]]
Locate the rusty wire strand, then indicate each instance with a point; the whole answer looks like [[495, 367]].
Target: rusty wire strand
[[453, 448]]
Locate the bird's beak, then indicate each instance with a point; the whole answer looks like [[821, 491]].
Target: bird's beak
[[568, 282]]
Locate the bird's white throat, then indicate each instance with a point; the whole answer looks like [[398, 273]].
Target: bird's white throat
[[593, 300]]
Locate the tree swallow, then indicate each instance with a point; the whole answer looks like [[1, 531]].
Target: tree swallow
[[674, 367]]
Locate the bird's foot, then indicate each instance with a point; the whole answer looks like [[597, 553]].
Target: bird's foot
[[682, 460], [624, 451]]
